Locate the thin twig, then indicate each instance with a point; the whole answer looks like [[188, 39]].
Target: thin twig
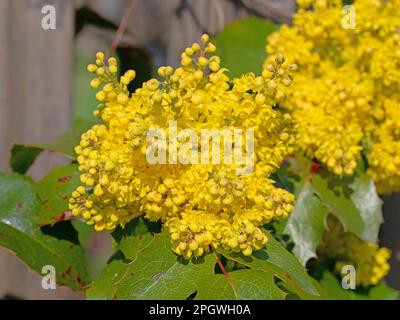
[[226, 274], [122, 26]]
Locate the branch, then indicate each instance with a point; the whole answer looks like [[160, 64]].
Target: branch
[[122, 26]]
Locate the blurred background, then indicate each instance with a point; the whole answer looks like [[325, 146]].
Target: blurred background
[[44, 85]]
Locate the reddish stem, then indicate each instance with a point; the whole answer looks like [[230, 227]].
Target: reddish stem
[[226, 274]]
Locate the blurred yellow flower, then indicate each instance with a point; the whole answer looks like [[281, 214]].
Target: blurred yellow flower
[[346, 93]]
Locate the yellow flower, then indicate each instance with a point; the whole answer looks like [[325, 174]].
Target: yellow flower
[[346, 90], [204, 206], [370, 261]]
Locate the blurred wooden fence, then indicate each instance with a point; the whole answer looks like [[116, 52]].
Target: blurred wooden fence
[[36, 82], [35, 104]]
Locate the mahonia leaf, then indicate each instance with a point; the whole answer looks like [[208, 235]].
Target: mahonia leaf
[[249, 285], [241, 45], [306, 224], [19, 232], [135, 236], [24, 155], [368, 204], [54, 190], [332, 285], [157, 273], [275, 259], [353, 200]]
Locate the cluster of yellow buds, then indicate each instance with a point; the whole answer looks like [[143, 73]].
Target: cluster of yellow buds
[[370, 261], [203, 205], [346, 94]]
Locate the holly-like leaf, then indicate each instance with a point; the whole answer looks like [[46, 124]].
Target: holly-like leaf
[[248, 284], [353, 200], [275, 259], [306, 224], [37, 247], [24, 155], [368, 204], [241, 45], [136, 235], [54, 190], [157, 273]]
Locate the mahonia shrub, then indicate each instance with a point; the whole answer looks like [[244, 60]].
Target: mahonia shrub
[[370, 261], [203, 206], [346, 95]]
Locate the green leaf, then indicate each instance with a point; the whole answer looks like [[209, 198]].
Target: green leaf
[[353, 200], [249, 285], [241, 45], [23, 156], [157, 273], [306, 224], [274, 258], [54, 190], [331, 283], [65, 143], [37, 247], [135, 236], [383, 292], [368, 204]]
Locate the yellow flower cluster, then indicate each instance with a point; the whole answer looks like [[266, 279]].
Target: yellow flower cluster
[[346, 93], [370, 261], [203, 205]]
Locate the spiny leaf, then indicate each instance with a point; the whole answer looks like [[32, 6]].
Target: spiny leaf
[[274, 258], [54, 190], [249, 285], [306, 224], [19, 232], [135, 236], [353, 200], [157, 273], [368, 204]]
